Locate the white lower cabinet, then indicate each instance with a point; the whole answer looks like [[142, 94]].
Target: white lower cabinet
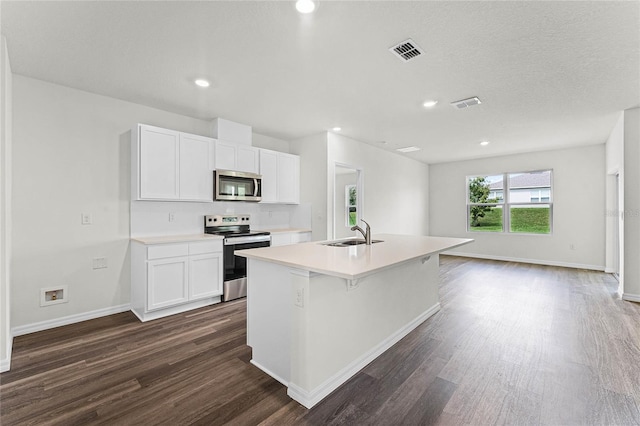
[[167, 282], [287, 238], [201, 268], [170, 278]]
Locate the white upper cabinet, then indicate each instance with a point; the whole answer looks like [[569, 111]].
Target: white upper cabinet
[[225, 158], [269, 172], [248, 159], [288, 178], [196, 177], [241, 158], [280, 177], [159, 154], [170, 165]]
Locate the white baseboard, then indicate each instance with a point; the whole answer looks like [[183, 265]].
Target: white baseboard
[[71, 319], [5, 362], [312, 397], [631, 297], [522, 260], [269, 372], [172, 310]]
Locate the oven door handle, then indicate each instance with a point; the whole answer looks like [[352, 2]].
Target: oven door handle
[[230, 241]]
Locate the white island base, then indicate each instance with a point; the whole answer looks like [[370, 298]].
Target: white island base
[[313, 331]]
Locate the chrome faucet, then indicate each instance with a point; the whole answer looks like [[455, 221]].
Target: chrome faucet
[[366, 235]]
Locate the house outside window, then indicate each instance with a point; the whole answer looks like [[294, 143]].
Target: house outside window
[[510, 202]]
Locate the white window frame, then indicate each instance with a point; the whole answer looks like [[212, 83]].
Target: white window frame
[[506, 204], [347, 189]]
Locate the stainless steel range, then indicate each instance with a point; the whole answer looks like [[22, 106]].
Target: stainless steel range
[[236, 229]]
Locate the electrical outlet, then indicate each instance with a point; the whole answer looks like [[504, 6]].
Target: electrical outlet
[[87, 219], [172, 217], [300, 297], [99, 262]]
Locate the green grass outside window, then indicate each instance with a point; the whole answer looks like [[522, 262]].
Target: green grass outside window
[[531, 220]]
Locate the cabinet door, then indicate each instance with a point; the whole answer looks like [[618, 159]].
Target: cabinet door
[[247, 159], [159, 163], [225, 157], [269, 172], [205, 275], [167, 282], [288, 178], [196, 177], [280, 239], [300, 237]]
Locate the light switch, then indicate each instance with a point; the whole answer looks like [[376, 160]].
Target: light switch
[[87, 219], [99, 262], [300, 297]]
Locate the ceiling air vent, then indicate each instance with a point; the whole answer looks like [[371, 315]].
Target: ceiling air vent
[[406, 50], [464, 103]]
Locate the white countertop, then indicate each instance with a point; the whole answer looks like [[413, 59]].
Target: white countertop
[[356, 261], [177, 239]]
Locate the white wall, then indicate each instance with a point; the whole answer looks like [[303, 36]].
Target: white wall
[[267, 142], [313, 180], [151, 218], [632, 204], [578, 208], [614, 153], [396, 188], [6, 338], [71, 156]]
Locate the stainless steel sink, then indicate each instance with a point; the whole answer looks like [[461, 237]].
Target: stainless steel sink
[[348, 243]]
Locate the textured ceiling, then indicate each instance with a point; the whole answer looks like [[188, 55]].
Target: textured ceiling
[[549, 74]]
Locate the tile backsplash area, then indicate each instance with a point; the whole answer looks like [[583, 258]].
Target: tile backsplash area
[[157, 218]]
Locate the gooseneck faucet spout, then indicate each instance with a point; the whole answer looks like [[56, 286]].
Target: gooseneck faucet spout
[[366, 234]]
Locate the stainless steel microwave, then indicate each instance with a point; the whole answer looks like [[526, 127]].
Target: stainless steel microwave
[[230, 185]]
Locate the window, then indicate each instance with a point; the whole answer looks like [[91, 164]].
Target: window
[[351, 201], [510, 202]]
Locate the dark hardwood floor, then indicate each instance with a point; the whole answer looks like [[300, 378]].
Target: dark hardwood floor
[[513, 344]]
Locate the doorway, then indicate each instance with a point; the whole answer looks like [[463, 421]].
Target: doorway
[[347, 200]]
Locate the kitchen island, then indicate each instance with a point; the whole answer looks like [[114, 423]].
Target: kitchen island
[[317, 314]]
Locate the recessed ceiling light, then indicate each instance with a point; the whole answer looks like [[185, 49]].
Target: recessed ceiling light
[[484, 143], [305, 6], [202, 82], [429, 104], [408, 149], [337, 129]]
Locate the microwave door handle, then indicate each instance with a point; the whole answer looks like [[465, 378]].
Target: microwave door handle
[[255, 187]]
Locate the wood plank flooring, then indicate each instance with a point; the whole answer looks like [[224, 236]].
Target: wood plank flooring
[[513, 344]]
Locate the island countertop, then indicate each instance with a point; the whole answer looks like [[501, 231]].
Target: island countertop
[[356, 261]]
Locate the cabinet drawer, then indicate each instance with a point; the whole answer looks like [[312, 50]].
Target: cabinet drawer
[[300, 237], [167, 250], [205, 247]]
